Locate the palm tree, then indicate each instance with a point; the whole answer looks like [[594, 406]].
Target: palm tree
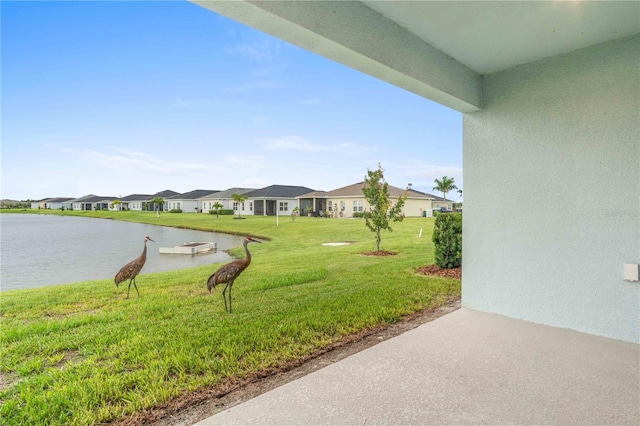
[[217, 206], [445, 185], [239, 199], [158, 202]]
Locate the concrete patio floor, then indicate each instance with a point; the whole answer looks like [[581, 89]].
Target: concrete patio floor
[[466, 367]]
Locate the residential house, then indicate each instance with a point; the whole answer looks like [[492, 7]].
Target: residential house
[[93, 202], [53, 203], [144, 202], [442, 204], [350, 200], [189, 201], [550, 94], [224, 198], [166, 194], [272, 200], [135, 202], [313, 203]]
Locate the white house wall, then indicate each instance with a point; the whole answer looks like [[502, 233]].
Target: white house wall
[[412, 207], [552, 192], [187, 206]]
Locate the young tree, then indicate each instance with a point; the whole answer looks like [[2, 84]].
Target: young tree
[[116, 204], [217, 206], [157, 204], [381, 210], [239, 199], [445, 185]]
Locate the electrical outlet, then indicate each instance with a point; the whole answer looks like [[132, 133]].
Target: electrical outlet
[[631, 271]]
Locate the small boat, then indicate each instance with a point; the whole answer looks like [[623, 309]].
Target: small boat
[[188, 248]]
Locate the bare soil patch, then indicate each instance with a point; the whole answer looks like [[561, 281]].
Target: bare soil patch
[[199, 405]]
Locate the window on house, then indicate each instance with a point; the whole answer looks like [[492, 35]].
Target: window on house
[[342, 206], [251, 206], [284, 206], [242, 206], [235, 206], [330, 206], [358, 206]]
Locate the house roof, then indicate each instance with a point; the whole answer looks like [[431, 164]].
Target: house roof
[[195, 194], [313, 194], [57, 200], [438, 49], [279, 191], [137, 197], [81, 199], [355, 190], [167, 193], [96, 199], [228, 193], [436, 198]]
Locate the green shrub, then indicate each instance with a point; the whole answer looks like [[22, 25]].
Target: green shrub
[[222, 212], [358, 214], [447, 238], [175, 211]]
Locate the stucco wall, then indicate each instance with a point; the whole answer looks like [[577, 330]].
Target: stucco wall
[[552, 192]]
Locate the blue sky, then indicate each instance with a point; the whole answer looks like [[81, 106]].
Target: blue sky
[[115, 98]]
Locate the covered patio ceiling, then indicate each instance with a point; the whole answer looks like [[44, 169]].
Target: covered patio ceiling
[[437, 49]]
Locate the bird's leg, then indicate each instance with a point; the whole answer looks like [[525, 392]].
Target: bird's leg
[[136, 286], [230, 296], [224, 296], [129, 288]]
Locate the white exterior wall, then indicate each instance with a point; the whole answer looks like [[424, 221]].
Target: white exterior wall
[[187, 206], [552, 192], [247, 208], [227, 204], [135, 205]]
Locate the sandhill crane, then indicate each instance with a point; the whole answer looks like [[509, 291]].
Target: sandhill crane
[[229, 272], [131, 269]]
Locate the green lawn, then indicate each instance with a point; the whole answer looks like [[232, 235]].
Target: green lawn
[[83, 354]]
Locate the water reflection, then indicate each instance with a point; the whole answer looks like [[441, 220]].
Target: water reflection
[[40, 250]]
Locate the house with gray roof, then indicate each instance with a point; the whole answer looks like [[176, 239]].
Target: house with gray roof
[[93, 202], [134, 201], [53, 203], [189, 201], [273, 200], [224, 198], [345, 201], [144, 202]]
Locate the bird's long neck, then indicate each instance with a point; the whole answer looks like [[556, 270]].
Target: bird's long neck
[[246, 251], [144, 251]]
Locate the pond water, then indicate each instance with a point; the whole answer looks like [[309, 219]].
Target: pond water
[[40, 250]]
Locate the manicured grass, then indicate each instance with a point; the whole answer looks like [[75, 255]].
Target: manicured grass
[[83, 354]]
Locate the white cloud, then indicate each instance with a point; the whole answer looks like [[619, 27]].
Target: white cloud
[[132, 161], [265, 50], [300, 143], [247, 161]]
